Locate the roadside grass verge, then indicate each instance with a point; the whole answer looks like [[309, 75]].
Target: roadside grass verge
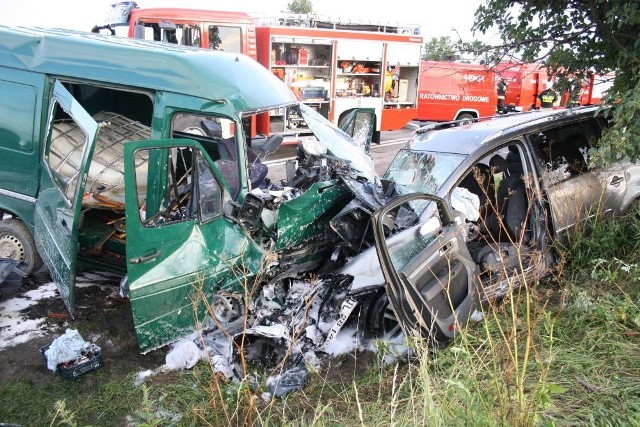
[[565, 351]]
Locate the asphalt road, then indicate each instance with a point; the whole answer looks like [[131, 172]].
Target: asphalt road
[[383, 153]]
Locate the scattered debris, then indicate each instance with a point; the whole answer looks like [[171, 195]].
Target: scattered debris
[[11, 269], [70, 356], [293, 379], [184, 355]]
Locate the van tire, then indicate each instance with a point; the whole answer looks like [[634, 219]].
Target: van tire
[[17, 243]]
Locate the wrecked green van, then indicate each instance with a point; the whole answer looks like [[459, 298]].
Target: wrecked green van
[[134, 157]]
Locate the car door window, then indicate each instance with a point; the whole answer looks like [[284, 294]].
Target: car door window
[[574, 185], [175, 184], [564, 151]]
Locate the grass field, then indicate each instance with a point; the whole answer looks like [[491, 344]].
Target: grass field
[[565, 351]]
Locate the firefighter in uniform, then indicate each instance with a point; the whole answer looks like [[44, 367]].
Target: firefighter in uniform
[[547, 97], [502, 93]]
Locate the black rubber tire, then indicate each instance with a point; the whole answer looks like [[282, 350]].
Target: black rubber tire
[[17, 243], [465, 116], [381, 321], [189, 124]]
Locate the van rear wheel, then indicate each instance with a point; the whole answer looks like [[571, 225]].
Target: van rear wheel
[[16, 243]]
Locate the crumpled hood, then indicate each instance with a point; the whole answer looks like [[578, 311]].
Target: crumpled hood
[[338, 143]]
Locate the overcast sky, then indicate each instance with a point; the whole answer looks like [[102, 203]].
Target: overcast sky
[[436, 18]]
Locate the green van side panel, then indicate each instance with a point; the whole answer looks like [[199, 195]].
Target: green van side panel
[[214, 75], [178, 305], [298, 219], [193, 261], [20, 120], [22, 208]]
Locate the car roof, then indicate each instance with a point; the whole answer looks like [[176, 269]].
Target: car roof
[[123, 61], [451, 137]]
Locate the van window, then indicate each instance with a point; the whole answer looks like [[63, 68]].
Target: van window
[[67, 144], [175, 184], [218, 137], [16, 129]]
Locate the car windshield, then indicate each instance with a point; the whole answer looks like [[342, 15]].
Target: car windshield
[[422, 171], [338, 143]]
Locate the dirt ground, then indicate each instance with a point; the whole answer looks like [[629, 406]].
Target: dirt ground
[[102, 317]]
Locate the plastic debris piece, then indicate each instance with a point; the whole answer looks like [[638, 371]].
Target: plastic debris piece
[[65, 348], [141, 376], [184, 355], [222, 366], [293, 379]]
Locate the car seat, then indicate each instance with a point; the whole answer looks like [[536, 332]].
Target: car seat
[[505, 222], [506, 219], [480, 181], [257, 171], [229, 170]]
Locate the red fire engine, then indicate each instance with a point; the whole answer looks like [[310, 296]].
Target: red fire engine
[[594, 89], [333, 66], [337, 71], [526, 81], [455, 91]]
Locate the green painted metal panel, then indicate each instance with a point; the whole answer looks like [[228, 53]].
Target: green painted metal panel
[[214, 75], [20, 117], [181, 256], [305, 217]]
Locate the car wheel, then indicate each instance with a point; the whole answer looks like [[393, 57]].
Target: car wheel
[[381, 320], [465, 118], [189, 124], [16, 243]]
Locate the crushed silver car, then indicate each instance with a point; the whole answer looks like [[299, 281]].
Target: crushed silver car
[[491, 199]]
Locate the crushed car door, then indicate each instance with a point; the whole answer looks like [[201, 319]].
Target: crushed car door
[[71, 138], [359, 124], [428, 270], [181, 250]]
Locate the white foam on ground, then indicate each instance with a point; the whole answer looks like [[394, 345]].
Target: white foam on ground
[[15, 328]]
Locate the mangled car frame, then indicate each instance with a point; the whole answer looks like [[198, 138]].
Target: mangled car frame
[[142, 167]]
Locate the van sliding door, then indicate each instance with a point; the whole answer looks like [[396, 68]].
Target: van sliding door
[[71, 135]]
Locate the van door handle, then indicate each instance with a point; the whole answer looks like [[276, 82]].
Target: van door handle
[[141, 259], [616, 180]]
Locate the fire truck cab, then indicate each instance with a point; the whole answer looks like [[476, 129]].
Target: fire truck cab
[[220, 30]]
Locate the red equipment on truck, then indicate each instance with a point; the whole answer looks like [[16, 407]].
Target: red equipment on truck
[[336, 71], [335, 67], [455, 91]]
